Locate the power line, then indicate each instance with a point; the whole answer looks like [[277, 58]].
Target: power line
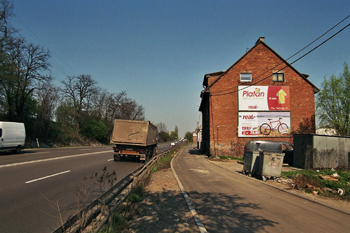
[[318, 37], [230, 92], [55, 64]]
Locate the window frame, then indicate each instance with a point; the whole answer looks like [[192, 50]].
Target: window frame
[[246, 81], [276, 77]]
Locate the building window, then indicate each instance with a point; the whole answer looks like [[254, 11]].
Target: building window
[[246, 77], [278, 77]]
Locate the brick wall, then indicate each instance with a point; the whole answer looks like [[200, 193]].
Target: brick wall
[[223, 100]]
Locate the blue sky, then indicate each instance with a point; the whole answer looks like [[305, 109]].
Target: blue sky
[[159, 51]]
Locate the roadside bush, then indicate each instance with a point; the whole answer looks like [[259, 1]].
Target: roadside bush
[[163, 137], [94, 129]]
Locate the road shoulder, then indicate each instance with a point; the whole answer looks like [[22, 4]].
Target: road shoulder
[[163, 207]]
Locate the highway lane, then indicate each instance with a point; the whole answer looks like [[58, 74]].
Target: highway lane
[[40, 185]]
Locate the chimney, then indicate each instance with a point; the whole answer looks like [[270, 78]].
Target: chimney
[[262, 39]]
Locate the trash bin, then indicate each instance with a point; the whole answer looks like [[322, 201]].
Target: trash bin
[[270, 165], [251, 162]]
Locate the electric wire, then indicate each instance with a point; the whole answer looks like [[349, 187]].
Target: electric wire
[[318, 37], [230, 92], [65, 72]]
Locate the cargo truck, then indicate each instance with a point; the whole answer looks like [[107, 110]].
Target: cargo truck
[[132, 138]]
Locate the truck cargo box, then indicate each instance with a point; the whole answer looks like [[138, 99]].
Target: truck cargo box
[[130, 132]]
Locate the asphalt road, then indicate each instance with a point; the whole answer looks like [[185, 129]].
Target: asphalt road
[[230, 202], [39, 188]]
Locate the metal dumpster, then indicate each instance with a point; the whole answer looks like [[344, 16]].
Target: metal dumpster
[[270, 165], [251, 162]]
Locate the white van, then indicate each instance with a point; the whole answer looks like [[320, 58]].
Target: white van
[[12, 136]]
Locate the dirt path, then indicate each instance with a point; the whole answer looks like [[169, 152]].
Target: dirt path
[[163, 207]]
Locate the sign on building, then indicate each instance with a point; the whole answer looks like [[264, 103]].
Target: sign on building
[[263, 98], [264, 124]]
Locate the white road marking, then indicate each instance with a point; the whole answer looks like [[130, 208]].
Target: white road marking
[[45, 177], [194, 213], [43, 152], [51, 159], [110, 160], [199, 170]]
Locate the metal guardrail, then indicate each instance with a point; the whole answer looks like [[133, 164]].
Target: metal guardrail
[[94, 216]]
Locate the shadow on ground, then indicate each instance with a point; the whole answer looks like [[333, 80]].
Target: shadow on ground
[[229, 213], [195, 152], [164, 212]]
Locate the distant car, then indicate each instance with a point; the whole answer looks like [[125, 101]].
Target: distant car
[[172, 144], [272, 146]]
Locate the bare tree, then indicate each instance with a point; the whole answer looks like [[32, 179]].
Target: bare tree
[[22, 67], [79, 91], [119, 106], [47, 98], [99, 105], [6, 12], [162, 127], [130, 110], [114, 103]]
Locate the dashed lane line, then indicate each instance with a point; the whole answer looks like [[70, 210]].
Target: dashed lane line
[[45, 177]]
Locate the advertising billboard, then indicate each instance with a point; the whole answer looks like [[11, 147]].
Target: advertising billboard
[[263, 98], [264, 124]]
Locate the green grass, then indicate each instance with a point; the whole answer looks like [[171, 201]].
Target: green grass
[[166, 158], [126, 212], [164, 161], [136, 195], [120, 223], [154, 169], [310, 181]]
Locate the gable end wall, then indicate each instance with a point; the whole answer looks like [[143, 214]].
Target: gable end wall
[[223, 102]]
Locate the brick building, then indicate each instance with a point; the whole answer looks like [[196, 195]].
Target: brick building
[[260, 97]]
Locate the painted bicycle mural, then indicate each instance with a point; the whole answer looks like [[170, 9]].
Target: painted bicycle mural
[[273, 125], [264, 124]]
